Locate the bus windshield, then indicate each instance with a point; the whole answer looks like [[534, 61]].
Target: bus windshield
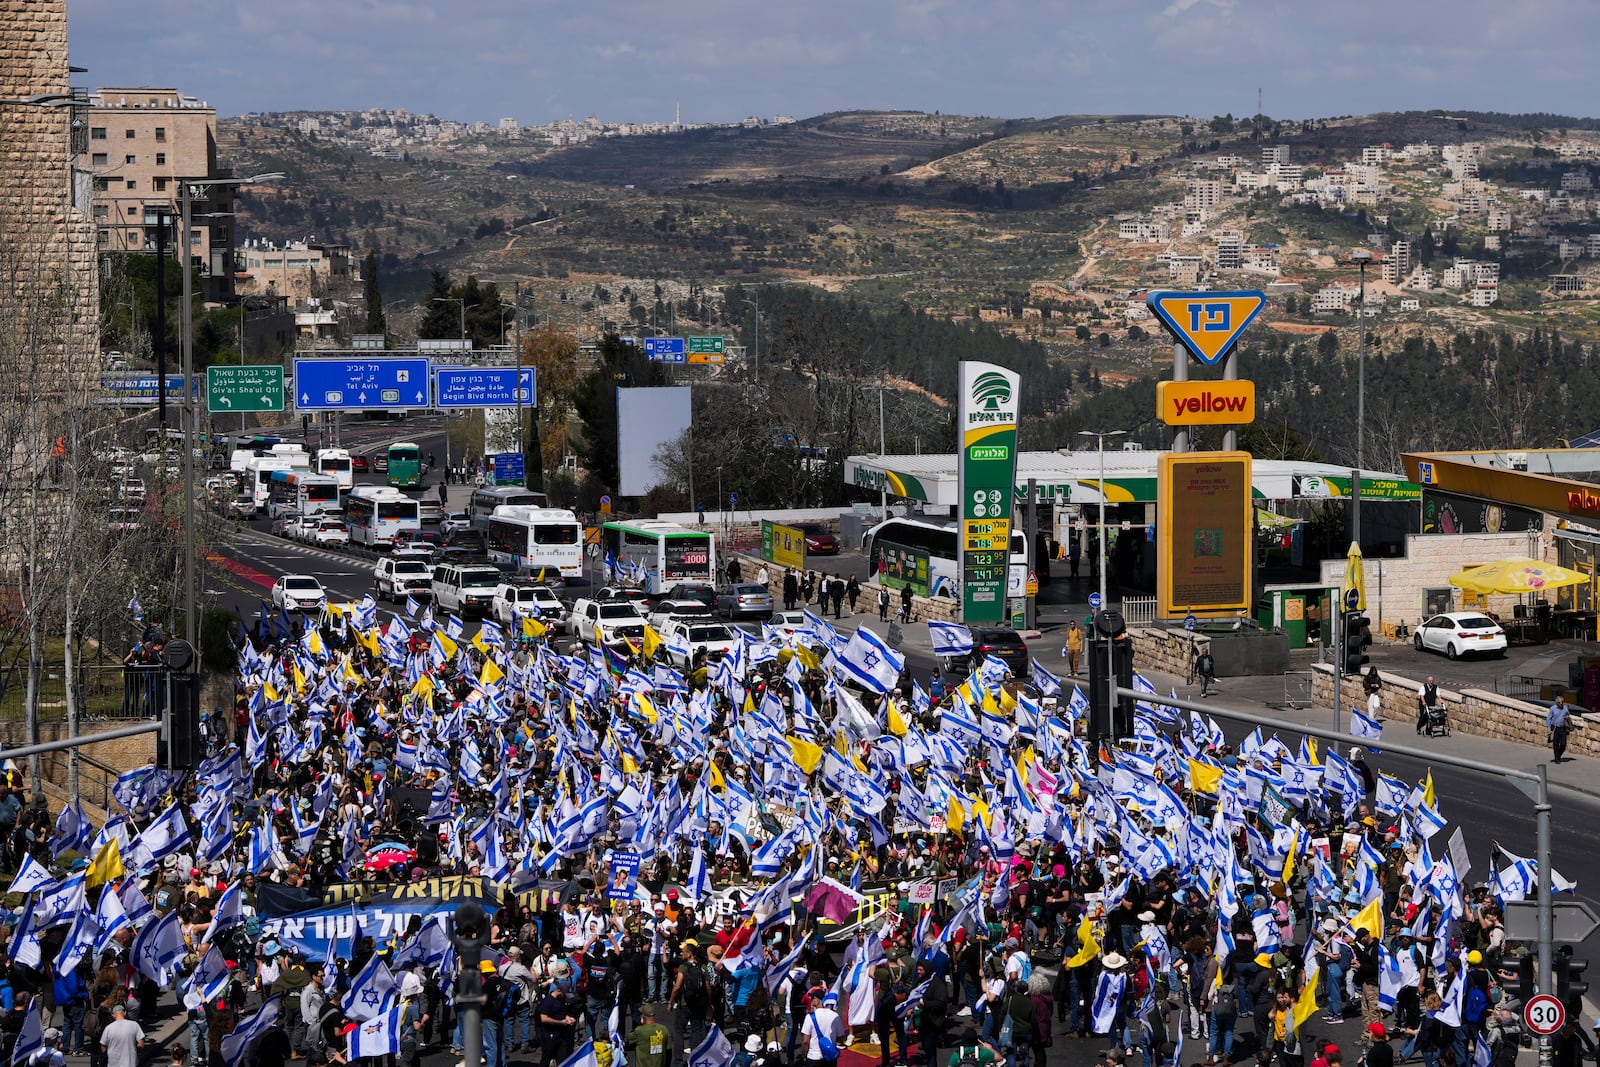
[[556, 534]]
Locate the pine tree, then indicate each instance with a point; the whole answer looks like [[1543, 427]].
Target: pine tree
[[374, 296]]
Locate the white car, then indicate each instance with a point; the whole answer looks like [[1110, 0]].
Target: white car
[[454, 522], [529, 601], [298, 592], [301, 527], [617, 621], [330, 532], [397, 577], [670, 610], [685, 637], [132, 489], [1460, 633]]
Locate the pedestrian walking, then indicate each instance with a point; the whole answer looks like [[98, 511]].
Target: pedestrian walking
[[807, 585], [852, 590], [836, 593], [791, 589], [1073, 649], [1205, 668], [883, 603], [735, 572], [1556, 721], [905, 603], [1074, 553]]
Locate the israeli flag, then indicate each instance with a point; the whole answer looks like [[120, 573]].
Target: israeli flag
[[1390, 980], [378, 1036], [31, 1039], [208, 981], [870, 663], [715, 1051], [30, 877], [236, 1046], [1047, 684], [110, 915], [1107, 997], [229, 913], [162, 838], [158, 948], [1363, 726], [412, 606], [135, 608], [950, 638], [585, 1057]]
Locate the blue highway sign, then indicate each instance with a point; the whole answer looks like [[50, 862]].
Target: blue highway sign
[[481, 387], [666, 349], [379, 384], [140, 390]]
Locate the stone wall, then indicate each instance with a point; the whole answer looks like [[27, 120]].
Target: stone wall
[[1471, 711], [1162, 650], [1429, 562], [922, 608], [122, 754]]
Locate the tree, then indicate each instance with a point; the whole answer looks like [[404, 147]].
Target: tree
[[374, 297], [554, 357], [595, 402], [440, 318], [1082, 332]]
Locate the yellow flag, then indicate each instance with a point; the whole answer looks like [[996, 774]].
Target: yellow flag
[[647, 709], [540, 578], [299, 681], [446, 643], [479, 643], [714, 777], [1427, 789], [1306, 1006], [955, 816], [424, 685], [895, 721], [1007, 701], [990, 707], [980, 809], [806, 754], [314, 643], [808, 659], [491, 672], [1311, 750], [1204, 778], [1088, 947], [271, 693], [629, 764], [1370, 918], [1288, 862], [534, 628], [652, 641], [105, 867], [350, 674]]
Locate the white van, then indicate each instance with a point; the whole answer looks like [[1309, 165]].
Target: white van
[[465, 589]]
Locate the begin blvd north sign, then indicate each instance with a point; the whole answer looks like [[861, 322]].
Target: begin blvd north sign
[[245, 388]]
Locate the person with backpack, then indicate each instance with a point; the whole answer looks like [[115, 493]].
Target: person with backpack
[[414, 1019], [600, 989], [1221, 1001], [889, 991], [649, 1044], [1017, 1024], [693, 991], [1334, 957], [931, 1013], [971, 1050], [498, 998], [822, 1031], [557, 1025]]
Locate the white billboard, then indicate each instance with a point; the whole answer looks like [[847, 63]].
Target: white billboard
[[647, 418]]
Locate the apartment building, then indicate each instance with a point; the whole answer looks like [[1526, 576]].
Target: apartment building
[[1230, 250], [1567, 283], [141, 142], [1274, 154], [297, 269], [1484, 294], [1397, 264], [1330, 299]]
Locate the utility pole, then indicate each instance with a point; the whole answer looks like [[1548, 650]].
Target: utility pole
[[1031, 604], [1361, 257]]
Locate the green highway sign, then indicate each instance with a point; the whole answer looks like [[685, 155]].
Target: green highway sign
[[706, 345], [244, 388]]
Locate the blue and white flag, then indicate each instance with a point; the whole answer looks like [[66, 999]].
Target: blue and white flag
[[370, 991], [378, 1036], [135, 608], [698, 888], [161, 838], [31, 876], [73, 832], [870, 663], [1361, 725], [236, 1046], [1107, 997], [228, 914], [158, 948], [110, 916], [207, 982], [80, 940], [585, 1057], [1047, 684], [913, 999], [950, 638], [715, 1051], [31, 1039]]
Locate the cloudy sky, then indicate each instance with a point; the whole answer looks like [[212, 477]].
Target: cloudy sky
[[538, 60]]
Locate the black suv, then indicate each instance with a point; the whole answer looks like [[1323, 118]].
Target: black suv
[[1003, 643]]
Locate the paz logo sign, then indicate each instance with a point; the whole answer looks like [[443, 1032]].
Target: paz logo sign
[[1207, 324], [1229, 403]]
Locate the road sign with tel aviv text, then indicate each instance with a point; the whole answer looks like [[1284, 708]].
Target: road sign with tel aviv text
[[236, 390], [1207, 324], [707, 349], [381, 383]]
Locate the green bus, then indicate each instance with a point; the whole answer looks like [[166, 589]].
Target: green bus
[[667, 553], [405, 465]]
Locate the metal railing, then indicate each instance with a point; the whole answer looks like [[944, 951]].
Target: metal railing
[[1139, 610], [144, 691], [97, 688]]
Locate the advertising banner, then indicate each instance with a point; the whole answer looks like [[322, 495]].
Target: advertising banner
[[1203, 533], [986, 474], [899, 566], [783, 545]]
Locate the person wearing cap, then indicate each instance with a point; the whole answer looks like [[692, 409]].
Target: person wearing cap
[[499, 1001], [649, 1044], [290, 985], [971, 1048], [50, 1054], [692, 989], [557, 1026], [1365, 971], [122, 1039], [413, 1019], [822, 1034], [1379, 1052]]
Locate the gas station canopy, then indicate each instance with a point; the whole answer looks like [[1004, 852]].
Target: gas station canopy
[[1130, 478]]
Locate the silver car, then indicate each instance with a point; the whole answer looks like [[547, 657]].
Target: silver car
[[742, 599]]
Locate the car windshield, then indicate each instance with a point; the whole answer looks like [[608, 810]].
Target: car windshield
[[305, 584], [409, 566], [545, 596], [710, 633], [1476, 622], [749, 590], [479, 579], [618, 611], [1005, 638]]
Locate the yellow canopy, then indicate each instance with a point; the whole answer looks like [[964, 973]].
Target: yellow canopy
[[1509, 577]]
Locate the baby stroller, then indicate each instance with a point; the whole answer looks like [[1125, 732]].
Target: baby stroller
[[1435, 723]]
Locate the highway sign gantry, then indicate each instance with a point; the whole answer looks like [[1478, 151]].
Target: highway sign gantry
[[707, 346], [482, 387], [377, 384], [1207, 324], [244, 388], [665, 349]]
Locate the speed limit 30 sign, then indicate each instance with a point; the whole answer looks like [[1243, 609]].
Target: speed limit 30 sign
[[1544, 1014]]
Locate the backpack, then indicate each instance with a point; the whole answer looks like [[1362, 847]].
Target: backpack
[[1475, 1006], [825, 1044], [696, 997], [969, 1056]]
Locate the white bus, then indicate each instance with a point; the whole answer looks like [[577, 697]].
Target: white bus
[[301, 493], [669, 553], [896, 549], [484, 501], [530, 540], [335, 463], [257, 479], [380, 515]]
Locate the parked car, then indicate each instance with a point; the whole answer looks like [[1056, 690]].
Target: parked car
[[744, 599], [298, 592], [454, 522], [360, 465], [1001, 642], [616, 620], [396, 577], [684, 637], [819, 541], [1460, 633]]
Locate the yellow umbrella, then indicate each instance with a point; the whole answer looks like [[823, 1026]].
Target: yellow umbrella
[[1355, 578], [1509, 577]]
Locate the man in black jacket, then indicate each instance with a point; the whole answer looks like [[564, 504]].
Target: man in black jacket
[[932, 1014]]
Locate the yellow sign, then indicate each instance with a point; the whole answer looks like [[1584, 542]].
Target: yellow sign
[[1206, 403], [1207, 324], [986, 535], [1032, 588], [788, 547], [705, 357], [1203, 533]]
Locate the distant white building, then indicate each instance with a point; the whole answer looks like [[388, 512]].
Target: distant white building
[[1230, 249], [1330, 299]]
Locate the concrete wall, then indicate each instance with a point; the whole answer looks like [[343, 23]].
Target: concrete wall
[[123, 754], [1429, 562], [1471, 711], [1251, 652]]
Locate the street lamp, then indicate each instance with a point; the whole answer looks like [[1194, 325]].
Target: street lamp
[[461, 302], [1100, 436], [1360, 257], [187, 189]]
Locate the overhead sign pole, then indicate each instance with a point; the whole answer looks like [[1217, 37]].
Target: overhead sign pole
[[986, 478]]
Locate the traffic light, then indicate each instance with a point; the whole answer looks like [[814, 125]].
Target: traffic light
[[1108, 719], [1357, 638], [1570, 984], [1527, 982], [179, 745]]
